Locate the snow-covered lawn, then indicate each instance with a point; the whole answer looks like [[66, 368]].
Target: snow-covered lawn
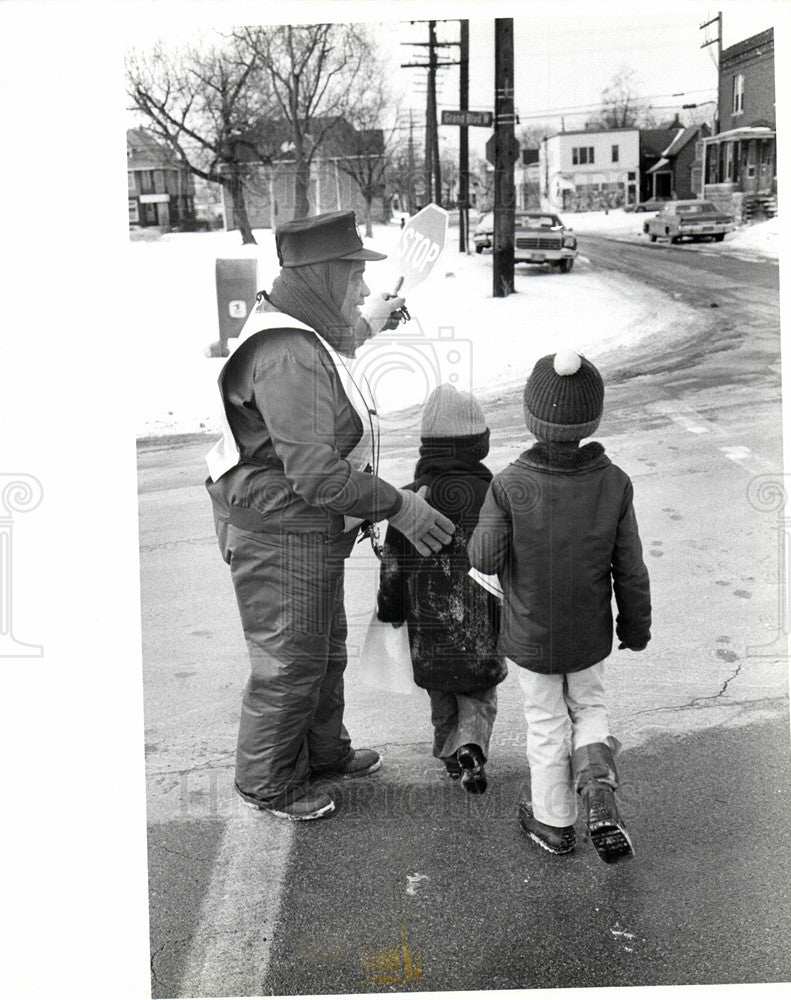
[[459, 331]]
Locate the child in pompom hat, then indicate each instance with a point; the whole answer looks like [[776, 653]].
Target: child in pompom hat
[[453, 622], [559, 527]]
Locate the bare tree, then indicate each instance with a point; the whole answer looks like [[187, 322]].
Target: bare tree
[[367, 147], [317, 74], [531, 136], [204, 100], [621, 103]]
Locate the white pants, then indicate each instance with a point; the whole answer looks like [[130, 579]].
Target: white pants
[[563, 712]]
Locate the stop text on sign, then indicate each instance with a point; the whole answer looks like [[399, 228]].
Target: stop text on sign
[[417, 250], [422, 241]]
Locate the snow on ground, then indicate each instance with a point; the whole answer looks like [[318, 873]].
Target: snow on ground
[[459, 331]]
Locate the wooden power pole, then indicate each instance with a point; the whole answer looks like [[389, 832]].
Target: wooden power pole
[[506, 149], [464, 149]]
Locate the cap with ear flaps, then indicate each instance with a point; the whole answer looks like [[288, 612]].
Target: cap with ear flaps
[[564, 397]]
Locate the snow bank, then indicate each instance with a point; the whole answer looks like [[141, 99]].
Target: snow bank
[[459, 332], [762, 238]]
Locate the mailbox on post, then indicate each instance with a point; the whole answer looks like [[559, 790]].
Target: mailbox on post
[[237, 284]]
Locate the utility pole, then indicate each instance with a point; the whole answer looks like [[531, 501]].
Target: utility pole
[[431, 115], [411, 161], [432, 164], [504, 158], [464, 150], [718, 40]]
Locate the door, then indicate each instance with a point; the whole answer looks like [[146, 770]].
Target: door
[[766, 166], [750, 175]]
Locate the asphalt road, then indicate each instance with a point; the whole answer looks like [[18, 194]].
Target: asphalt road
[[412, 885]]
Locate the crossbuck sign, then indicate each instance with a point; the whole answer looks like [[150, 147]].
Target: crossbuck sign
[[422, 241]]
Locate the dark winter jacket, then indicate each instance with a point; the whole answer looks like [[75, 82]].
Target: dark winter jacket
[[453, 622], [559, 528], [294, 426]]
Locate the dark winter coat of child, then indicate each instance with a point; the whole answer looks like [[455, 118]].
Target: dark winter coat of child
[[558, 526], [453, 622]]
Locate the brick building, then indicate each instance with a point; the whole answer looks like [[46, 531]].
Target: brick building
[[741, 158], [161, 187]]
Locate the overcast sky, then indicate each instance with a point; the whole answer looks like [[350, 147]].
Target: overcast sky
[[567, 52]]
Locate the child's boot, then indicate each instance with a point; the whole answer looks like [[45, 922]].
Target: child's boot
[[596, 781], [555, 839], [473, 773]]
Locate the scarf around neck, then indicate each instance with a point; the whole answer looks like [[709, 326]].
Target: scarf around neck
[[454, 455], [314, 294]]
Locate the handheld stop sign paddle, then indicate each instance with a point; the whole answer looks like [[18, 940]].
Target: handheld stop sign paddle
[[423, 239]]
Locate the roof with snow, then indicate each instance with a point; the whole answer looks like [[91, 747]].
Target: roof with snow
[[684, 136], [654, 141]]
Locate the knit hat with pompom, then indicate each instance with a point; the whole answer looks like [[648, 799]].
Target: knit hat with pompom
[[564, 397]]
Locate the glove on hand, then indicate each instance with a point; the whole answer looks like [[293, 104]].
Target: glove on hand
[[379, 309], [426, 528], [635, 649]]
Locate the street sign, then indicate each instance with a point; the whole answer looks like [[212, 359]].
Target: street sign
[[484, 118], [422, 240], [511, 149]]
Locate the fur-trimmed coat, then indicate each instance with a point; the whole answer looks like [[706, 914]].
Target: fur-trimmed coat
[[453, 622], [558, 526]]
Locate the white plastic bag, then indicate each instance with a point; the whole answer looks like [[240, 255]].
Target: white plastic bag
[[385, 662]]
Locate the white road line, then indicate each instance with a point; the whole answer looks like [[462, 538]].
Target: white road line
[[685, 417], [747, 459], [231, 948]]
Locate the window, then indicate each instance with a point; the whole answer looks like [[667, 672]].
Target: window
[[615, 154], [581, 154], [632, 175], [738, 94], [134, 214], [130, 178]]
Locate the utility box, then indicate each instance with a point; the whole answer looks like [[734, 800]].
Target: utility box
[[237, 284]]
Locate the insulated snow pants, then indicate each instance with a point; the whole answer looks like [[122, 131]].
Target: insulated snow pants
[[565, 713], [289, 588]]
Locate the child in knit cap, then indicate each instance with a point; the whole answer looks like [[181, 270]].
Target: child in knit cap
[[559, 528], [453, 622]]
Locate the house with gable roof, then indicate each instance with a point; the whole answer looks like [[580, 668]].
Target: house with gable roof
[[677, 167]]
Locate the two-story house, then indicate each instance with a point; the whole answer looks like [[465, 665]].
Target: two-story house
[[676, 152], [346, 173], [161, 187], [740, 169], [587, 170]]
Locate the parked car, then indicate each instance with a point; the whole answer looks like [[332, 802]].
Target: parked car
[[694, 220], [483, 234], [649, 205], [541, 238]]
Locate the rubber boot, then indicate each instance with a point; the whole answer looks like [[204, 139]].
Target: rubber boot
[[596, 780]]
